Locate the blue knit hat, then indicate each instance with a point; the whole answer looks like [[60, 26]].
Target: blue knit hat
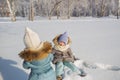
[[63, 37]]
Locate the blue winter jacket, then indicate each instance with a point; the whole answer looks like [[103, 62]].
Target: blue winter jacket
[[40, 69]]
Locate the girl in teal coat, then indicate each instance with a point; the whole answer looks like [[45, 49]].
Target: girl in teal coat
[[39, 62], [37, 59]]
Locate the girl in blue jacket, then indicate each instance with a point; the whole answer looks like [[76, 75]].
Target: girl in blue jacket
[[38, 61], [37, 57]]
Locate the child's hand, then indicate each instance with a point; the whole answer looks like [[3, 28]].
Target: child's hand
[[64, 59]]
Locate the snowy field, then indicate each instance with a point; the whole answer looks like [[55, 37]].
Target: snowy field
[[94, 40]]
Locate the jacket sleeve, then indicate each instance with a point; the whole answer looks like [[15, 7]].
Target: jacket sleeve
[[28, 65], [53, 51], [71, 57], [25, 65], [51, 57]]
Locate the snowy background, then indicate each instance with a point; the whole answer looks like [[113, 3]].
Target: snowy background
[[94, 40]]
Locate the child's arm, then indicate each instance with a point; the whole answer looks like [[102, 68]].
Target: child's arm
[[71, 57], [28, 65], [25, 65], [53, 51]]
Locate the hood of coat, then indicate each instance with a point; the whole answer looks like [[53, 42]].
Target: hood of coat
[[61, 48], [30, 54]]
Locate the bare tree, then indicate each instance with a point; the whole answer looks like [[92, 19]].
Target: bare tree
[[38, 4], [31, 11], [3, 9], [54, 8], [69, 8], [11, 6], [102, 8], [68, 14], [60, 8], [118, 9]]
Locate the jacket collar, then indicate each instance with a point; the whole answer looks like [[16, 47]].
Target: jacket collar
[[61, 48], [36, 54]]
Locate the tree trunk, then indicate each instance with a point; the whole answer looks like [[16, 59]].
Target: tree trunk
[[68, 15], [93, 7], [58, 11], [39, 7], [118, 9], [31, 12], [54, 8], [12, 10], [102, 8]]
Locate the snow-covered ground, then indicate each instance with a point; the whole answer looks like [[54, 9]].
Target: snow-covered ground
[[94, 40]]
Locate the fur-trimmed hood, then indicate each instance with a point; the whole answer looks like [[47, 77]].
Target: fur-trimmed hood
[[33, 54], [61, 48], [55, 40]]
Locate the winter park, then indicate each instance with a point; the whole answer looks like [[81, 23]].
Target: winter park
[[92, 26]]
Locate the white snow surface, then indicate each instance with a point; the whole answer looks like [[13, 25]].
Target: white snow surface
[[93, 40]]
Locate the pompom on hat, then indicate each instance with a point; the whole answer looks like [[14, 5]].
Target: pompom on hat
[[63, 38], [31, 39]]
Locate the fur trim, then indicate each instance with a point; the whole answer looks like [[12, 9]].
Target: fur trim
[[38, 54], [55, 40], [61, 48]]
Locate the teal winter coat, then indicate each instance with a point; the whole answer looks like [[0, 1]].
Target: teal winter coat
[[39, 62], [41, 69]]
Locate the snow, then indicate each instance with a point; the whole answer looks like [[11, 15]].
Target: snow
[[94, 40]]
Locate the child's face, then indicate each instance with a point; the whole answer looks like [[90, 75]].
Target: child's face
[[61, 43]]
